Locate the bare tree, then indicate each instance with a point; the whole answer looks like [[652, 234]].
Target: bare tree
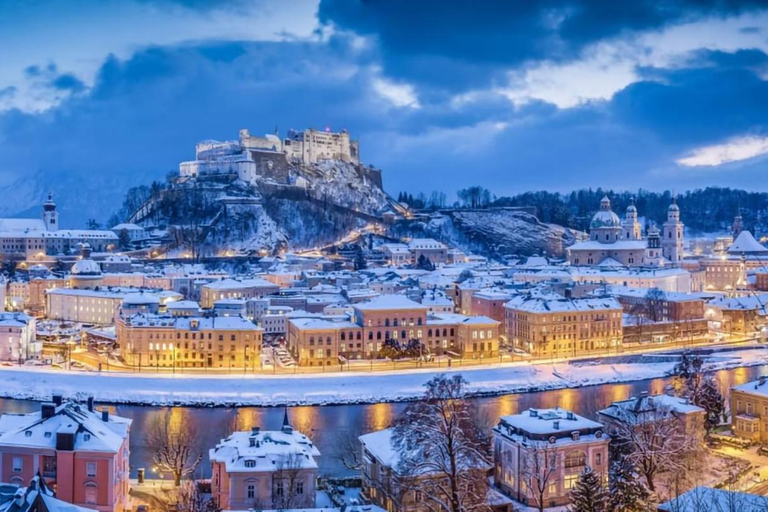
[[537, 470], [657, 440], [444, 455], [174, 444], [189, 497], [288, 482], [349, 450]]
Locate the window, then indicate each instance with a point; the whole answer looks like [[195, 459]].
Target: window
[[570, 481], [17, 464], [91, 494], [250, 463], [250, 491], [90, 469], [279, 489], [299, 487], [598, 459]]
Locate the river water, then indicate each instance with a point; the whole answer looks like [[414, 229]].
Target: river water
[[334, 427]]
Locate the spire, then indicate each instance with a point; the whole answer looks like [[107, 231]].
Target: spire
[[286, 423]]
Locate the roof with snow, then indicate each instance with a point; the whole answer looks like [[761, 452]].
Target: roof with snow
[[745, 243], [707, 498], [618, 245], [645, 405], [551, 304], [235, 284], [91, 432], [389, 302], [548, 422], [266, 451]]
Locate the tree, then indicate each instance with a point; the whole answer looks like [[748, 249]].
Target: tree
[[589, 493], [656, 440], [424, 263], [627, 492], [692, 383], [360, 262], [443, 452], [288, 482], [92, 224], [538, 468], [189, 497], [124, 239], [175, 446], [711, 400]]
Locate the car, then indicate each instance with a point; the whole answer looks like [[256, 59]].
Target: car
[[763, 450]]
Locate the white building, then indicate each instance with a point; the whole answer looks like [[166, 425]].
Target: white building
[[613, 242], [18, 337]]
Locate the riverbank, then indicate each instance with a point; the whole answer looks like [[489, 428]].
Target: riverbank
[[348, 388]]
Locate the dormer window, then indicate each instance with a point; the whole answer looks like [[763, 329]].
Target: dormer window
[[250, 463], [86, 437], [28, 433], [575, 435]]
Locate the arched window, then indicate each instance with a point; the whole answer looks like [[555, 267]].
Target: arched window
[[378, 335], [328, 340], [445, 332], [386, 322], [343, 336], [358, 335], [370, 335], [395, 323], [451, 331], [250, 463], [429, 333], [311, 340], [418, 321], [386, 335], [403, 335]]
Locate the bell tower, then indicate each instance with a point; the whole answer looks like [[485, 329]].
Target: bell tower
[[672, 239], [50, 215]]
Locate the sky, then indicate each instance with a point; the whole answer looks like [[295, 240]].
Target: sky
[[514, 96]]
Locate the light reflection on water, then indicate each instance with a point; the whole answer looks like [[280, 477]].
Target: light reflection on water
[[332, 428]]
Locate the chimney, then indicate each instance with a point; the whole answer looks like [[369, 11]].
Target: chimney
[[47, 410], [57, 400], [762, 380], [534, 413], [568, 292], [105, 415], [556, 424], [570, 416], [251, 441], [90, 403]]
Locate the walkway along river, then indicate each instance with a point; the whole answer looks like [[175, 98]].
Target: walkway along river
[[333, 427]]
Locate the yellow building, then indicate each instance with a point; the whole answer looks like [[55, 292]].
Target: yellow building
[[165, 341]]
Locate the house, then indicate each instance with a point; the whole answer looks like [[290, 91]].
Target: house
[[540, 453], [264, 470], [81, 454], [36, 497], [749, 410]]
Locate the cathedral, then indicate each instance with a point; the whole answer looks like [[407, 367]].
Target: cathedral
[[615, 242]]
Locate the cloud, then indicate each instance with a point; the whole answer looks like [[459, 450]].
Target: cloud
[[733, 150], [400, 95]]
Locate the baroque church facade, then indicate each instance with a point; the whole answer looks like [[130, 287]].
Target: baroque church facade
[[614, 242]]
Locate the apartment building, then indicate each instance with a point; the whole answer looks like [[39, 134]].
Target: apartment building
[[524, 444], [81, 453], [558, 326], [264, 470], [166, 341]]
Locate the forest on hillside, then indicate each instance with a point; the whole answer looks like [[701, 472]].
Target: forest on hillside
[[705, 210]]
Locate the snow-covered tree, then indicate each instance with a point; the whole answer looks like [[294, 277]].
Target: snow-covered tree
[[444, 454], [538, 469], [657, 440], [589, 494], [175, 446], [627, 491], [711, 400]]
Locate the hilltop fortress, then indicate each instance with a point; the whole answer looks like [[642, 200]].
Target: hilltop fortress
[[253, 157]]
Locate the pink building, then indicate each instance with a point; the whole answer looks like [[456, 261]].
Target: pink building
[[82, 454], [540, 453], [264, 470]]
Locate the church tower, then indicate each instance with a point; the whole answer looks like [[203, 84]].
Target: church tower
[[738, 225], [653, 255], [631, 229], [50, 215], [672, 239]]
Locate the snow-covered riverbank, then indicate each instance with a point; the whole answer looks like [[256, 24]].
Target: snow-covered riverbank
[[343, 388]]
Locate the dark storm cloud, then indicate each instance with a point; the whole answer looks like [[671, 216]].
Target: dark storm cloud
[[460, 45]]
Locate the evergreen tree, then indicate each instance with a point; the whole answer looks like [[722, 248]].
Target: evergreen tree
[[627, 492], [360, 262], [713, 403], [589, 493]]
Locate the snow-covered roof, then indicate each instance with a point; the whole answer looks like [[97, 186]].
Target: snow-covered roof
[[425, 243], [128, 226], [647, 404], [700, 498], [548, 421], [312, 323], [236, 284], [755, 387], [618, 245], [91, 432], [187, 323], [551, 304], [379, 444], [86, 267], [37, 497], [22, 225], [745, 243], [267, 451], [389, 302]]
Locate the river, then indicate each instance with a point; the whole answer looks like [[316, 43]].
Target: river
[[334, 427]]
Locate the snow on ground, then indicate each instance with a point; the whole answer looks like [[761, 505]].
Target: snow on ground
[[340, 388]]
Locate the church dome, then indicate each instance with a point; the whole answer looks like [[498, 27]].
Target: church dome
[[86, 268], [631, 208], [673, 207], [605, 218]]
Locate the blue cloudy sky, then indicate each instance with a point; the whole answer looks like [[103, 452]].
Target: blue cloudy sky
[[536, 94]]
